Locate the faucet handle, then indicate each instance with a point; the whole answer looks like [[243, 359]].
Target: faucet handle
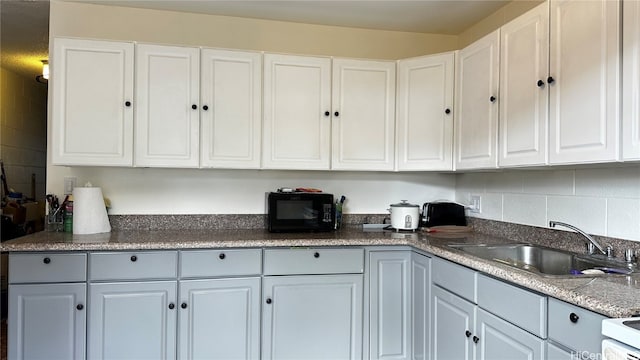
[[591, 249], [629, 256], [609, 251]]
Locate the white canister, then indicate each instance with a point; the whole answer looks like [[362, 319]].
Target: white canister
[[404, 216]]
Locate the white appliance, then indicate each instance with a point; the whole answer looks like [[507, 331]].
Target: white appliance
[[624, 339]]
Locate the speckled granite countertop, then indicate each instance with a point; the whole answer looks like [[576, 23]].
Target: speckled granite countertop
[[613, 296]]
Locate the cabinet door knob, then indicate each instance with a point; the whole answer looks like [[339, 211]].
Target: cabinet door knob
[[573, 317], [550, 80], [127, 103], [205, 108], [326, 113], [268, 301], [336, 114], [222, 256], [134, 258], [172, 306], [183, 305], [79, 306], [467, 333], [447, 111], [316, 255], [194, 106], [492, 98], [540, 83], [476, 339], [46, 260]]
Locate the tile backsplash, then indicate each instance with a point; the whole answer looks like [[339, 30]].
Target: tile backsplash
[[602, 201]]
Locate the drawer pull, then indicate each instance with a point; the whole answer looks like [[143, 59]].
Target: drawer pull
[[467, 333], [222, 256], [46, 260], [79, 306], [573, 317], [476, 339], [183, 305], [316, 255], [268, 300], [134, 258], [171, 306]]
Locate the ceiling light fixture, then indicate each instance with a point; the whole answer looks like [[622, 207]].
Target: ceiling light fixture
[[45, 69], [44, 78]]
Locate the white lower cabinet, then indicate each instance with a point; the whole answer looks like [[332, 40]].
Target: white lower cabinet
[[312, 317], [453, 321], [398, 306], [499, 339], [133, 320], [463, 330], [219, 319], [47, 306], [577, 329], [555, 352], [47, 321]]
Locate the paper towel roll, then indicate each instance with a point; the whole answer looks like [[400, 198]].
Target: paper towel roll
[[89, 212]]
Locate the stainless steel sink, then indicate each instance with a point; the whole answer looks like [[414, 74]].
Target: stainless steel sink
[[543, 260]]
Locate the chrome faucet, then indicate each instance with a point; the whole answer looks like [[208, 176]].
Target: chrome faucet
[[591, 239]]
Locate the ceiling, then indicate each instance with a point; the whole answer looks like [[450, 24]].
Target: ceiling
[[24, 35], [25, 23]]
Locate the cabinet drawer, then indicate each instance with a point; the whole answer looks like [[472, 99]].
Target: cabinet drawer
[[207, 263], [499, 298], [47, 267], [313, 261], [455, 278], [580, 331], [134, 265]]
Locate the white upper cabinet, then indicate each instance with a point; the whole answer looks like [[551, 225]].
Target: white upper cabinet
[[167, 111], [524, 99], [363, 99], [424, 124], [231, 109], [631, 80], [297, 112], [92, 103], [476, 114], [584, 81]]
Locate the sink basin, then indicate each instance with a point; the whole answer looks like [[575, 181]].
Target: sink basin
[[543, 260]]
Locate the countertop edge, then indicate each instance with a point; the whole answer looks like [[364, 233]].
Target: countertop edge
[[556, 288]]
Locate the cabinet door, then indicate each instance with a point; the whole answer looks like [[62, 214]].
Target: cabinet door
[[167, 115], [47, 321], [219, 319], [420, 309], [231, 116], [585, 92], [92, 105], [631, 80], [524, 99], [476, 117], [425, 112], [498, 339], [556, 353], [134, 320], [453, 320], [312, 317], [363, 99], [390, 305], [297, 112]]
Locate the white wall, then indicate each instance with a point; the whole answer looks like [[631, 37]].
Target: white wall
[[207, 191], [602, 201]]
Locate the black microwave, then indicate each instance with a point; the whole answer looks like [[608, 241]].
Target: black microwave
[[300, 211]]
